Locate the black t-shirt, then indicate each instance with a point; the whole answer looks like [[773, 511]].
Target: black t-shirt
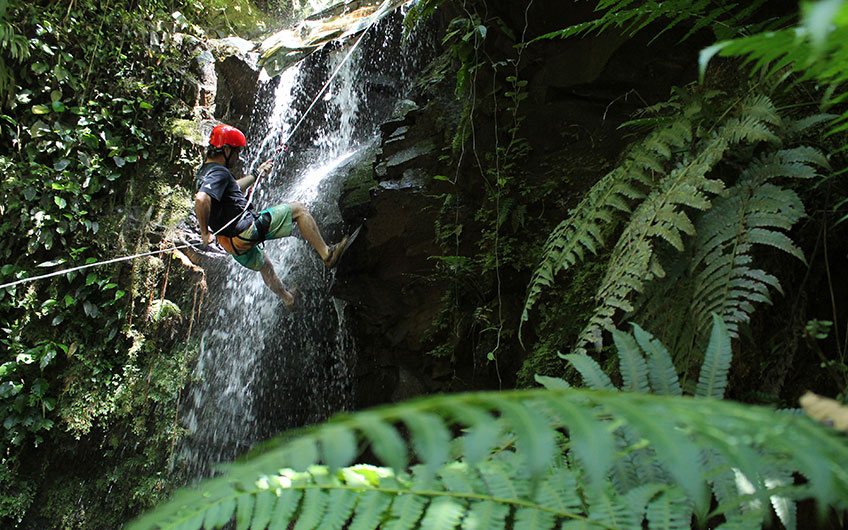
[[228, 201]]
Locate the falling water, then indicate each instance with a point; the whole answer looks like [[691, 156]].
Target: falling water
[[262, 369]]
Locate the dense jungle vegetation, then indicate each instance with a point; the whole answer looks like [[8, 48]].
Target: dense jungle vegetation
[[95, 166], [701, 263]]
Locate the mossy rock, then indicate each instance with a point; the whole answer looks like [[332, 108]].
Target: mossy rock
[[187, 130], [355, 197]]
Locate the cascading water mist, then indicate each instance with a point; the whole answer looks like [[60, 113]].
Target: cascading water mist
[[262, 369]]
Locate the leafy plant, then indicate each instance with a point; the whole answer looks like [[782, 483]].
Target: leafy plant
[[582, 232], [645, 365], [508, 468], [15, 45], [815, 50], [725, 18], [83, 156], [674, 171]]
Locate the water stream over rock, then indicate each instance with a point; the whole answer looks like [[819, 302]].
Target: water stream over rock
[[262, 369]]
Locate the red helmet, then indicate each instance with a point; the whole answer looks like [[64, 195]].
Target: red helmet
[[226, 135]]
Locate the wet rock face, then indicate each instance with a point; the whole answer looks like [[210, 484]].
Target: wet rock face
[[392, 312], [224, 88], [237, 75]]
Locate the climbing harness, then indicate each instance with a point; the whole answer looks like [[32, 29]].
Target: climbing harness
[[375, 17]]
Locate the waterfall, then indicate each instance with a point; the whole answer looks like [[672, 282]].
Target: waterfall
[[260, 368]]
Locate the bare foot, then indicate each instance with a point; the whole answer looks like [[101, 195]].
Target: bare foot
[[290, 298]]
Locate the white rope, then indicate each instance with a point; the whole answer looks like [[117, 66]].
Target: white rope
[[305, 114], [375, 17], [96, 264]]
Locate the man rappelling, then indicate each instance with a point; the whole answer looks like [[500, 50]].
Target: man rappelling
[[221, 205]]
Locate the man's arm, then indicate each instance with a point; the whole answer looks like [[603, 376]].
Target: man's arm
[[202, 207], [263, 169], [245, 182]]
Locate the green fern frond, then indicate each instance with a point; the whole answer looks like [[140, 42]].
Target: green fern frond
[[637, 498], [816, 49], [372, 505], [748, 521], [581, 234], [722, 481], [785, 509], [638, 466], [799, 126], [244, 511], [609, 510], [420, 11], [717, 273], [664, 214], [485, 514], [748, 438], [551, 383], [661, 371], [670, 511], [724, 281], [754, 212], [443, 512], [405, 512], [591, 372], [712, 380], [312, 510], [633, 368], [629, 17]]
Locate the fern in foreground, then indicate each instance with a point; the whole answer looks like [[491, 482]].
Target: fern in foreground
[[645, 365], [524, 481]]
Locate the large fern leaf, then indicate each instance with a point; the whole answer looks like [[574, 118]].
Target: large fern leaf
[[712, 380], [816, 49], [630, 17], [581, 233], [725, 283], [747, 438], [664, 216], [663, 376], [717, 273]]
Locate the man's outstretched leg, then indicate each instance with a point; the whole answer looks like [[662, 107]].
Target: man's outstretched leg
[[273, 282], [310, 232]]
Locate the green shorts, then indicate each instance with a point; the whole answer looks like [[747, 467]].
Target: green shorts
[[273, 223]]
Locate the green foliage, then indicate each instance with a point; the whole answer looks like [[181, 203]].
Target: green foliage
[[499, 216], [509, 469], [83, 143], [815, 50], [673, 172], [717, 274], [725, 18], [224, 18], [420, 12], [12, 45], [582, 232], [561, 317], [645, 364]]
